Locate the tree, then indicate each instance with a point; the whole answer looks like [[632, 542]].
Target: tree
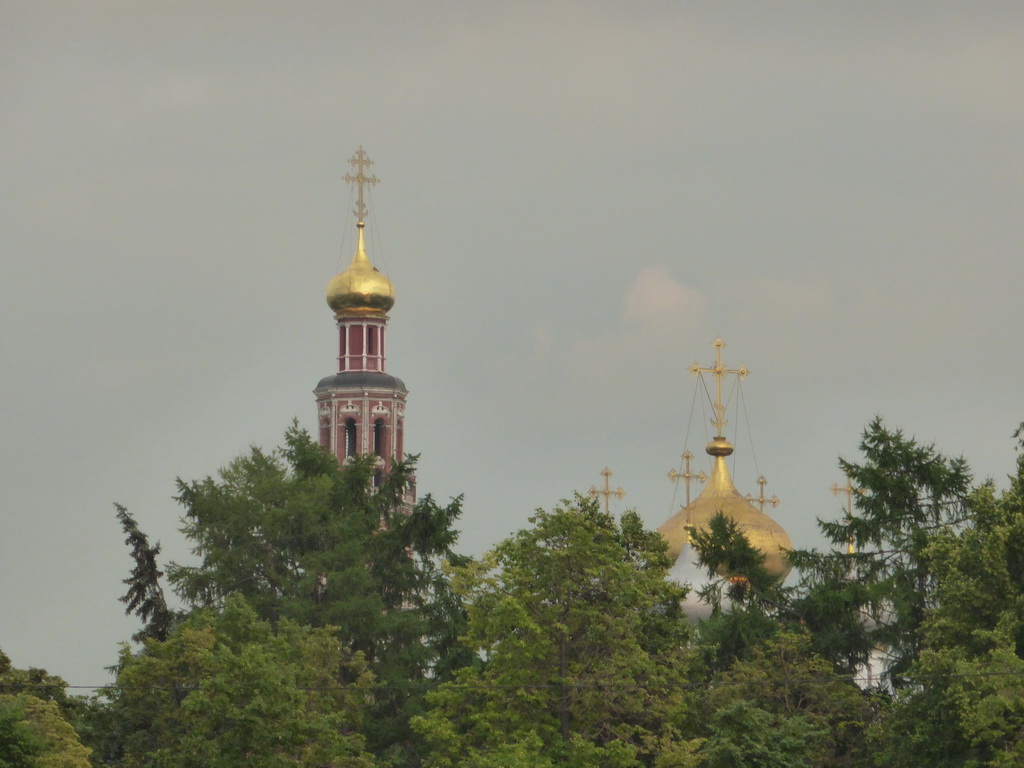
[[784, 706], [20, 745], [35, 730], [582, 646], [749, 604], [879, 595], [966, 701], [228, 689], [145, 596], [304, 538]]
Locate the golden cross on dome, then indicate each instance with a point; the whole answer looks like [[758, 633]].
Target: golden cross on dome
[[761, 500], [687, 476], [607, 492], [360, 161], [849, 490], [719, 371]]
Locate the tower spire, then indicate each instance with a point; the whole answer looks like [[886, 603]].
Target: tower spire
[[360, 161], [719, 371], [361, 408]]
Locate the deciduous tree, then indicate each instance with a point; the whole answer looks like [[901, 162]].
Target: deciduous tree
[[228, 689], [35, 729], [784, 706], [583, 651]]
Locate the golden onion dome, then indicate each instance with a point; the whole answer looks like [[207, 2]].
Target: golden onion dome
[[360, 288], [720, 495]]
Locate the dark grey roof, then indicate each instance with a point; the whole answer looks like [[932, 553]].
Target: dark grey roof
[[360, 380]]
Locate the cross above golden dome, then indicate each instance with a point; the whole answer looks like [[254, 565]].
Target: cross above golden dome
[[360, 289]]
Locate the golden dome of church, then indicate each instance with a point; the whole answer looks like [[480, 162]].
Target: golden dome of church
[[360, 288], [720, 495]]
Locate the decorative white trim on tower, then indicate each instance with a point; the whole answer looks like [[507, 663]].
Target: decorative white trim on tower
[[364, 405]]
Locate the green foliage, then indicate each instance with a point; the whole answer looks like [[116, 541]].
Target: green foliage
[[35, 731], [967, 701], [748, 607], [304, 539], [909, 493], [327, 616], [784, 706], [19, 743], [833, 604], [37, 682], [723, 548], [583, 651], [228, 689], [145, 597]]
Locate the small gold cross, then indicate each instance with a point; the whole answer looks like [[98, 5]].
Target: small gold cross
[[607, 492], [761, 500], [687, 476], [360, 161]]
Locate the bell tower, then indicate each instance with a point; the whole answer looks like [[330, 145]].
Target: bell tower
[[361, 408]]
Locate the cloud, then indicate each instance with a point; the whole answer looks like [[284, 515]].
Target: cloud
[[563, 374], [657, 299]]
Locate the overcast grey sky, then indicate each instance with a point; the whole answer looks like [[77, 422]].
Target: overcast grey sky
[[575, 199]]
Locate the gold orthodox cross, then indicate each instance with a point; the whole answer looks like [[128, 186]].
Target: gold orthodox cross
[[360, 161], [849, 490], [761, 500], [607, 492], [719, 371], [687, 476]]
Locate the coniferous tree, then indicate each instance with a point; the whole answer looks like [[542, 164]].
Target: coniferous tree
[[966, 701], [145, 596], [304, 538], [880, 593], [749, 604]]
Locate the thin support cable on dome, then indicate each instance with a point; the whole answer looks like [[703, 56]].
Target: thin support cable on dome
[[378, 247], [686, 447], [344, 252], [703, 408], [725, 409], [689, 423], [750, 434]]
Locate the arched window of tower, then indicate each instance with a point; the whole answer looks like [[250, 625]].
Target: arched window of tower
[[350, 437]]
